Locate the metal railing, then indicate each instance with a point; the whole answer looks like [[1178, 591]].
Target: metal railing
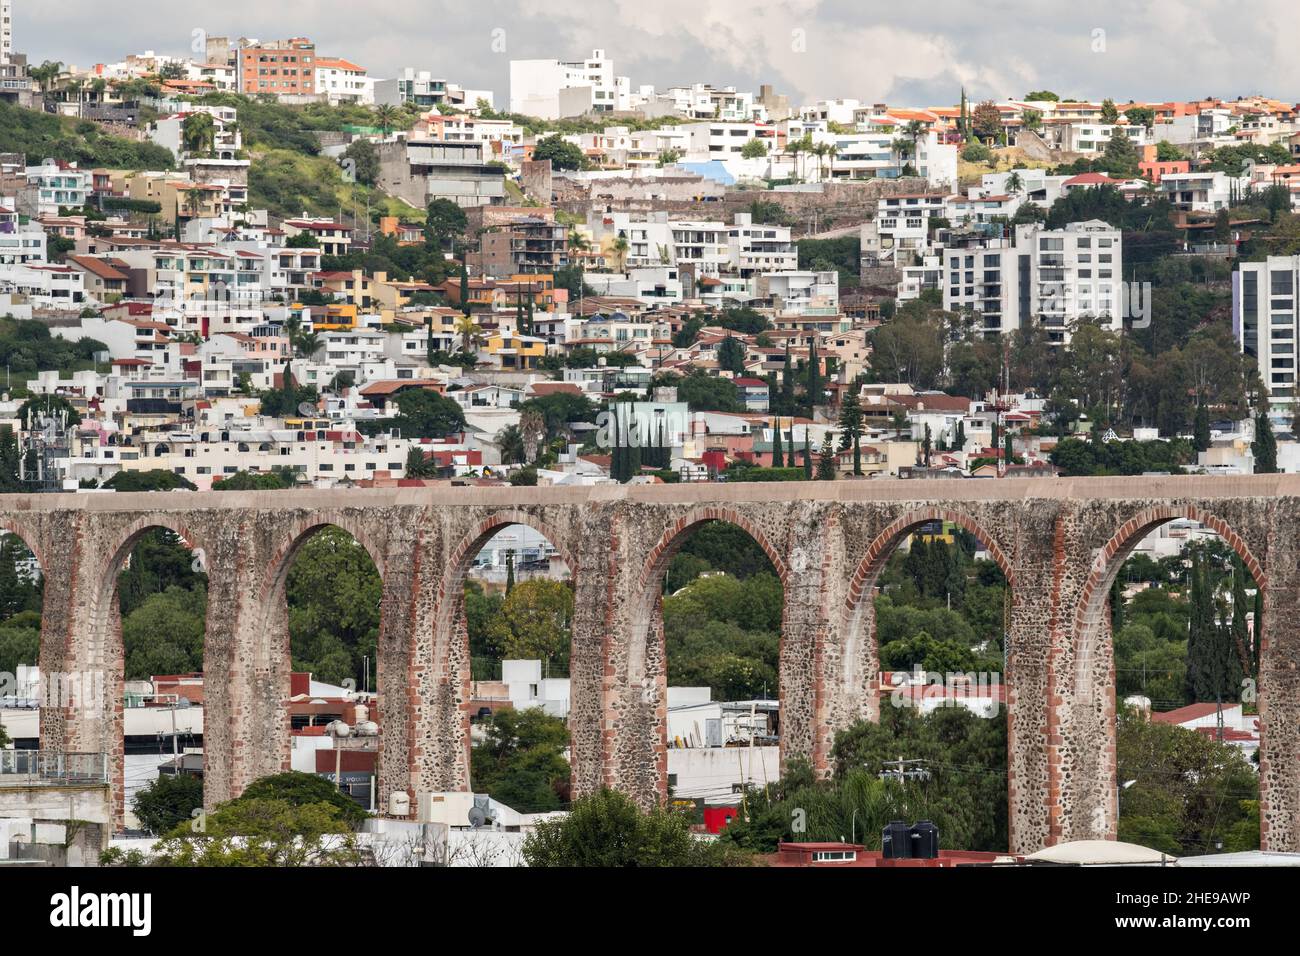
[[42, 767]]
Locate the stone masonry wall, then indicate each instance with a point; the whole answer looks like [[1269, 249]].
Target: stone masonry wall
[[1059, 543]]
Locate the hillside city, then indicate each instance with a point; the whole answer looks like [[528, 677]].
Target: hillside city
[[265, 267]]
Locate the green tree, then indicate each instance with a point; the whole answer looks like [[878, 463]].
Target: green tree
[[426, 414], [168, 802], [851, 426], [561, 153], [521, 761], [606, 829], [534, 623]]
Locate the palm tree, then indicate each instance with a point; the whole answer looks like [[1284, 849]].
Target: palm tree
[[794, 147], [471, 336], [510, 442], [199, 134], [45, 75], [386, 116], [578, 243], [914, 130], [1015, 183], [621, 247]]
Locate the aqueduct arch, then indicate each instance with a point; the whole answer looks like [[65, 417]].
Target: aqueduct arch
[[1057, 541]]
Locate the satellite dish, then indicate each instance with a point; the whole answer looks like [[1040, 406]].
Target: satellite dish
[[306, 409], [477, 816]]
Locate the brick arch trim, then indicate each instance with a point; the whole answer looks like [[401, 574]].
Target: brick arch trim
[[107, 588], [671, 540], [473, 541], [278, 567], [27, 536], [1117, 549], [884, 543]]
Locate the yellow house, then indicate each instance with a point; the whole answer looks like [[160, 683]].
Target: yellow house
[[355, 287], [514, 351], [335, 317]]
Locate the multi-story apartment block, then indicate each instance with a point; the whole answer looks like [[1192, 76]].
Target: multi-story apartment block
[[58, 184], [278, 67], [420, 87], [6, 30], [19, 242], [1206, 192], [332, 238], [528, 245], [1052, 277], [342, 81], [753, 248], [551, 89], [726, 140], [1266, 320]]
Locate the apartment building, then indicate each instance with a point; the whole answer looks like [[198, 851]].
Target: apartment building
[[333, 238], [278, 67], [421, 171], [6, 30], [528, 245], [410, 85], [342, 81], [1266, 320], [57, 184], [19, 242], [551, 89], [754, 248], [1205, 192], [1053, 277]]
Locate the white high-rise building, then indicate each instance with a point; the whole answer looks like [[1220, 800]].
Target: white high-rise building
[[6, 30], [551, 89], [1266, 320], [1054, 277]]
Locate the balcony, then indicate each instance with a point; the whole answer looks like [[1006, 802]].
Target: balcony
[[32, 768]]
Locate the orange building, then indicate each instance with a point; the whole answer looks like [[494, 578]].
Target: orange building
[[278, 67]]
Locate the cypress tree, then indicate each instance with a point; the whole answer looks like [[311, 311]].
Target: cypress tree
[[786, 405], [1264, 446], [1201, 428], [778, 453], [510, 571], [807, 457], [814, 379], [464, 288], [826, 460]]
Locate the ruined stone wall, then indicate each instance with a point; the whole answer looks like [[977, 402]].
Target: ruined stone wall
[[1059, 543]]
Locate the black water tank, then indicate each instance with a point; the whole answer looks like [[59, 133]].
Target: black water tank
[[925, 841], [896, 841]]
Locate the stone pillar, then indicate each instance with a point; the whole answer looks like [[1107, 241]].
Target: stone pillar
[[424, 677], [592, 596], [1279, 705], [1028, 682]]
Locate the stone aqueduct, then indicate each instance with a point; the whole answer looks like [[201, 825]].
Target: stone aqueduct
[[1059, 542]]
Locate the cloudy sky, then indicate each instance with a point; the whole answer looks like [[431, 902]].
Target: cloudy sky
[[905, 53]]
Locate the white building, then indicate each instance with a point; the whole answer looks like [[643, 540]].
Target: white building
[[344, 82], [1202, 191], [6, 30], [753, 248], [1266, 320], [58, 185], [1055, 277], [551, 89]]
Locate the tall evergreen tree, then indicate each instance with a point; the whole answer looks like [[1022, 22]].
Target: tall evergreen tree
[[1201, 428], [786, 405], [1264, 446], [807, 457], [814, 385], [778, 453], [851, 427], [826, 460], [464, 287]]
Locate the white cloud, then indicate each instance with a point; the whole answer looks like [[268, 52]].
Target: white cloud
[[867, 51]]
